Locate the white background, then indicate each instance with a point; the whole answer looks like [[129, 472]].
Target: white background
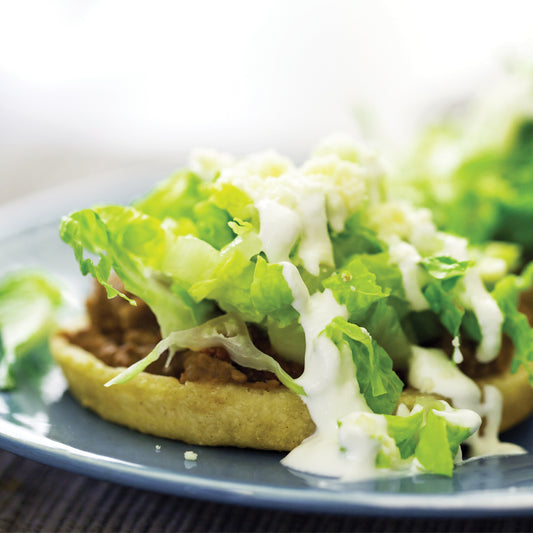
[[94, 86]]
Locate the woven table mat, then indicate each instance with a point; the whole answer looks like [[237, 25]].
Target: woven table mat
[[35, 497]]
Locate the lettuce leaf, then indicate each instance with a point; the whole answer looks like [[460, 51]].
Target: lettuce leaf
[[29, 301], [516, 325], [184, 198], [243, 282], [488, 194], [229, 284], [429, 437], [228, 331], [378, 383], [405, 431], [443, 275], [175, 197], [139, 249], [356, 238], [236, 202], [271, 295], [179, 277], [438, 444], [371, 289]]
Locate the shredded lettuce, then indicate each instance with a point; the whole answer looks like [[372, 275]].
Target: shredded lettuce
[[370, 287], [438, 444], [184, 198], [429, 437], [355, 238], [228, 331], [443, 274], [405, 431], [378, 382], [475, 169], [271, 294], [29, 301], [516, 325], [177, 276], [137, 248]]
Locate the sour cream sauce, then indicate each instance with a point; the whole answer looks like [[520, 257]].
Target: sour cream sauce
[[431, 371], [332, 393], [304, 222]]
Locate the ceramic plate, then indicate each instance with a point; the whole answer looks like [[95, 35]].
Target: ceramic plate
[[41, 421]]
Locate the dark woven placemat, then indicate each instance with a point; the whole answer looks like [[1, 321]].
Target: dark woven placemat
[[35, 497]]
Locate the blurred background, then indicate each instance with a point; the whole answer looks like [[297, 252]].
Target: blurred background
[[94, 86]]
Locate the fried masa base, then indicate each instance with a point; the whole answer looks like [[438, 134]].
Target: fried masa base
[[196, 413], [224, 414]]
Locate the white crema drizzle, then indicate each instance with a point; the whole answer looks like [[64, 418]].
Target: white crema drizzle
[[332, 393], [431, 371], [489, 316], [296, 204]]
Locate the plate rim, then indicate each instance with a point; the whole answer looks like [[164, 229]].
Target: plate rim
[[510, 502]]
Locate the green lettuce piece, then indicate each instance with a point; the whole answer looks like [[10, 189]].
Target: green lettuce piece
[[432, 449], [444, 305], [235, 201], [488, 195], [175, 197], [229, 285], [371, 289], [270, 293], [456, 435], [179, 277], [378, 383], [445, 268], [356, 287], [287, 341], [227, 331], [356, 238], [242, 281], [29, 301], [430, 438], [213, 224], [405, 431], [184, 198], [231, 275], [438, 444], [443, 275], [137, 247], [516, 325], [251, 288]]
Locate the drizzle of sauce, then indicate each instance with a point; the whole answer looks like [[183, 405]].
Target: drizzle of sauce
[[295, 205], [277, 244], [431, 371], [457, 354], [407, 259], [489, 316], [332, 391]]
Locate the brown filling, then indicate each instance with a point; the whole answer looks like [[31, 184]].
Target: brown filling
[[120, 334]]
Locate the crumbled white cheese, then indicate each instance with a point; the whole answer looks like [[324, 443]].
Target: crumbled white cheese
[[189, 455]]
